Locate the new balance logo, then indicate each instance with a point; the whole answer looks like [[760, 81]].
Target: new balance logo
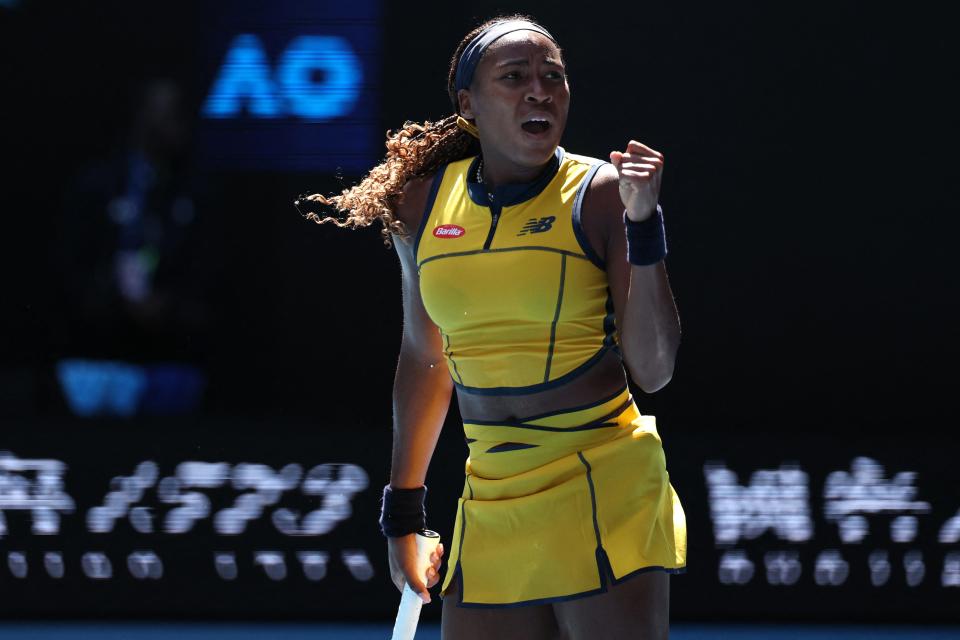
[[537, 225]]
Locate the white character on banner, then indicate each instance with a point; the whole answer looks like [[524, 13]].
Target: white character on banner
[[96, 566], [775, 500], [865, 490], [831, 569], [193, 505], [314, 564], [879, 563], [950, 531], [783, 567], [951, 570], [336, 483], [124, 492], [225, 563], [914, 567], [144, 565], [735, 567], [34, 485], [53, 563], [273, 564], [17, 563], [357, 563], [265, 487], [904, 528]]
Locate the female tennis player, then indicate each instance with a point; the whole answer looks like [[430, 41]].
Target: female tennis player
[[533, 280]]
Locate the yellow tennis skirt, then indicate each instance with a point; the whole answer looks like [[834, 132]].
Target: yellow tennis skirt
[[561, 505]]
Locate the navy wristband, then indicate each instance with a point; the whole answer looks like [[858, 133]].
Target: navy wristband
[[403, 511], [647, 240]]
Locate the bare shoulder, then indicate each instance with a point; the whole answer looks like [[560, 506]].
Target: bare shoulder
[[410, 204], [409, 209], [603, 194], [602, 210]]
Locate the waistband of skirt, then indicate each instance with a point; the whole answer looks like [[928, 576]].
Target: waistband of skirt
[[577, 426]]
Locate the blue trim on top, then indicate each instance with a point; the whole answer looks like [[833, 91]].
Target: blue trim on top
[[507, 195], [494, 219], [450, 356], [427, 209], [578, 226], [610, 324], [458, 254], [540, 386], [556, 318]]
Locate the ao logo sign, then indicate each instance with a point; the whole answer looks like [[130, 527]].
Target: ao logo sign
[[316, 78]]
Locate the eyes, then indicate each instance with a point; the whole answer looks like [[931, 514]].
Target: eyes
[[517, 75]]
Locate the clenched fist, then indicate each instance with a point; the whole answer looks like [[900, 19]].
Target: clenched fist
[[640, 169]]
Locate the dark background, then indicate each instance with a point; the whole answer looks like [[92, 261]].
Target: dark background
[[808, 192]]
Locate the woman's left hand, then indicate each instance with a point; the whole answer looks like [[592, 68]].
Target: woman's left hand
[[640, 169]]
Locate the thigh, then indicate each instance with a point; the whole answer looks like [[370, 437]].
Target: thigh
[[531, 622], [638, 608]]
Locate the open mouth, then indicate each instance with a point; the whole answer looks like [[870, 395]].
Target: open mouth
[[536, 126]]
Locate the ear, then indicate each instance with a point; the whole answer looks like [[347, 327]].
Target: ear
[[466, 108]]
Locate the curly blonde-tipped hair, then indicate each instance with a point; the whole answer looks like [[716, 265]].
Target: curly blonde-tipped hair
[[413, 151]]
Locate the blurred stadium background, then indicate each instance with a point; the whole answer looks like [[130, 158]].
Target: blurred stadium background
[[195, 381]]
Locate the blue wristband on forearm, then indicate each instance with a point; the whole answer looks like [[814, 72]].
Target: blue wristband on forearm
[[647, 240], [403, 511]]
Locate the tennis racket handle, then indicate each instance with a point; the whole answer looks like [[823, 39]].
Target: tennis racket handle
[[409, 613]]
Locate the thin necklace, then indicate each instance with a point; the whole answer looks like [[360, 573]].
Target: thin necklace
[[480, 178]]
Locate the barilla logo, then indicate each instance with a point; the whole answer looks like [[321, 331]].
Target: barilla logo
[[449, 231]]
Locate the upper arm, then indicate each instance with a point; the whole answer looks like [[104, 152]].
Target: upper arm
[[420, 335], [602, 220]]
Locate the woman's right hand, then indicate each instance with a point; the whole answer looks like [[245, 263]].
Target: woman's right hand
[[402, 554]]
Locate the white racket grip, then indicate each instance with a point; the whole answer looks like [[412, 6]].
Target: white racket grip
[[409, 612]]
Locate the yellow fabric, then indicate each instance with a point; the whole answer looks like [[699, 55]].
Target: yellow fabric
[[525, 306], [551, 521]]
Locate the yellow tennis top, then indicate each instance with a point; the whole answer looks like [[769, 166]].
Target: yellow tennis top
[[519, 296]]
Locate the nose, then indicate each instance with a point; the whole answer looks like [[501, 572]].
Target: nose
[[537, 91]]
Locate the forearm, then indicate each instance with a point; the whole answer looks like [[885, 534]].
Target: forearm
[[650, 335], [421, 398]]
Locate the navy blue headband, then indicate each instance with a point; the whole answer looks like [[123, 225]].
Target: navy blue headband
[[470, 57]]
